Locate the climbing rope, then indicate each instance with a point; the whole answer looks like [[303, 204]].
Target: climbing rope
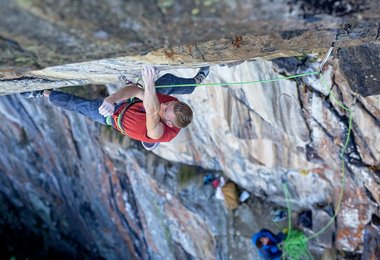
[[240, 83], [343, 176], [295, 245]]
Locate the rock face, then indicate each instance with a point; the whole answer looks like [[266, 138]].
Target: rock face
[[362, 75], [87, 191], [63, 37], [283, 132], [72, 188]]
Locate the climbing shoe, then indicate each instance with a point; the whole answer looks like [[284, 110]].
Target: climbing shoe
[[202, 74], [32, 94], [125, 80], [149, 146]]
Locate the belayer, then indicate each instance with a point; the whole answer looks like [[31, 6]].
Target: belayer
[[267, 244]]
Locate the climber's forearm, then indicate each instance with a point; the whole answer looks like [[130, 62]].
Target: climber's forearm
[[125, 93]]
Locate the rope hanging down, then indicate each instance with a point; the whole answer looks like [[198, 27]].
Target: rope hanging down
[[296, 244]]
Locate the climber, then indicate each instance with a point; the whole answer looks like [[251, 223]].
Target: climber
[[267, 244], [151, 117]]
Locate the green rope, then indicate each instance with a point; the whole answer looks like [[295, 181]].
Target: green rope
[[295, 245], [287, 197], [343, 176], [241, 83]]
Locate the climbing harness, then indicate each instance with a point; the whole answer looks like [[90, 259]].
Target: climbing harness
[[119, 114]]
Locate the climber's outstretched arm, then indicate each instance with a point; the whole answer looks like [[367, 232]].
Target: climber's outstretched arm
[[155, 128]]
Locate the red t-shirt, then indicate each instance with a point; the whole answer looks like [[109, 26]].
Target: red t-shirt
[[134, 122]]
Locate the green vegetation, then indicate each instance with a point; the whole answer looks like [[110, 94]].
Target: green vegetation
[[186, 173], [164, 5], [24, 3]]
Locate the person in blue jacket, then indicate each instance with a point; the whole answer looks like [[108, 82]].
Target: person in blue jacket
[[267, 244]]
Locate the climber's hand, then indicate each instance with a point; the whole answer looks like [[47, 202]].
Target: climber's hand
[[107, 108], [149, 75]]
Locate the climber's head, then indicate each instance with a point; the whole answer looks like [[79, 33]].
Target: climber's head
[[262, 242], [176, 113]]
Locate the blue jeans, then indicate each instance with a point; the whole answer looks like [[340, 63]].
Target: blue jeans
[[170, 79], [89, 108]]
